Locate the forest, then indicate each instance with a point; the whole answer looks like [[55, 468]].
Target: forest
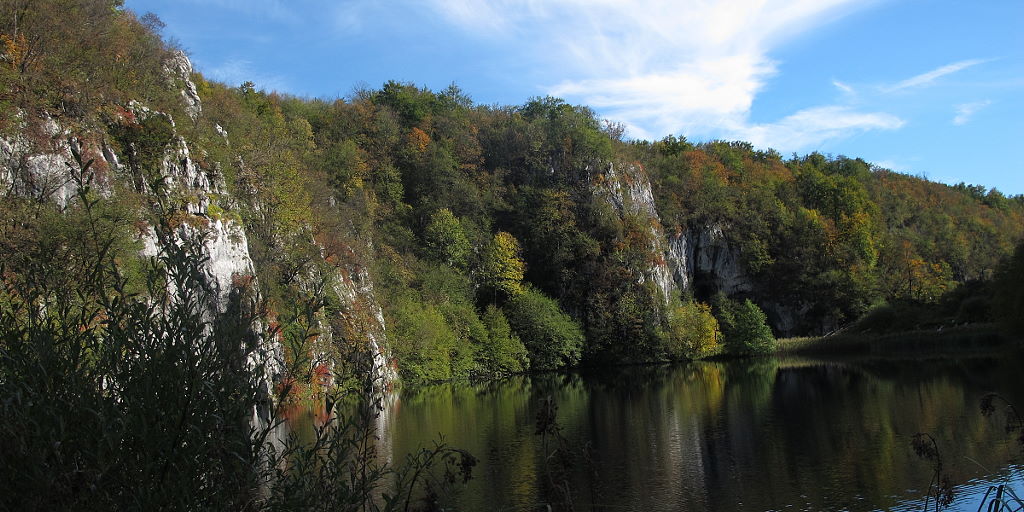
[[498, 239], [168, 242]]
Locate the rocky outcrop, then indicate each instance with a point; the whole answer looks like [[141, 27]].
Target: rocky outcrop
[[703, 258], [226, 261], [628, 189], [703, 261], [48, 168], [679, 257], [178, 69], [227, 244], [352, 284], [39, 170]]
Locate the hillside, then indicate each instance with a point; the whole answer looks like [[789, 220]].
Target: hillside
[[441, 239]]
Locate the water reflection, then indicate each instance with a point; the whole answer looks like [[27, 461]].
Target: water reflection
[[771, 434]]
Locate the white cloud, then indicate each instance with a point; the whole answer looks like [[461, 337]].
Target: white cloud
[[237, 71], [664, 66], [716, 92], [891, 165], [810, 127], [931, 76], [966, 110], [843, 87]]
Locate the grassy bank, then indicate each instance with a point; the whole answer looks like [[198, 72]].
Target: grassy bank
[[970, 337]]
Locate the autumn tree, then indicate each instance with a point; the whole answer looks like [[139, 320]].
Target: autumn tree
[[502, 269], [693, 332]]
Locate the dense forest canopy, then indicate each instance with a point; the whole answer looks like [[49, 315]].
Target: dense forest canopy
[[498, 238]]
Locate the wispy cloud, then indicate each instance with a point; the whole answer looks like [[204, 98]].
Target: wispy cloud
[[811, 127], [966, 110], [843, 87], [237, 71], [663, 68], [892, 165], [714, 92], [933, 75]]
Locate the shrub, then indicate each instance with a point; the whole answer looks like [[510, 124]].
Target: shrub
[[423, 342], [744, 326], [114, 400], [693, 332], [504, 352], [552, 338]]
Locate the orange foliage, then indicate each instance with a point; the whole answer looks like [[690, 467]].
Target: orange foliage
[[15, 48], [418, 140]]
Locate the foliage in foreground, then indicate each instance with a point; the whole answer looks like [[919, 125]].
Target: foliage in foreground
[[118, 400]]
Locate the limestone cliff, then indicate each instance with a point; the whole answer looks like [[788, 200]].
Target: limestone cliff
[[628, 189], [41, 161], [704, 257]]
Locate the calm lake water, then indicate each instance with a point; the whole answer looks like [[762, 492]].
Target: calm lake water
[[766, 434]]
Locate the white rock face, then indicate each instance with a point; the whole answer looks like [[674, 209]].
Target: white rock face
[[179, 67], [27, 170], [228, 250], [628, 189], [221, 131], [225, 246], [46, 174], [680, 259], [355, 288], [224, 241]]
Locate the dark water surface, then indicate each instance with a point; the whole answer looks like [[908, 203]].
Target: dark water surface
[[769, 434]]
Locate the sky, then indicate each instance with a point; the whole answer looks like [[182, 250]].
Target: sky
[[933, 88]]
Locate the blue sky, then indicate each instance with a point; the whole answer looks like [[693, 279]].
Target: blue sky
[[926, 87]]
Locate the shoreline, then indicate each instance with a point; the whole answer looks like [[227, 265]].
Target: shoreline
[[958, 339]]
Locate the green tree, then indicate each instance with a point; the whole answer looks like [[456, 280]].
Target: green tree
[[744, 326], [423, 342], [504, 352], [552, 337], [446, 241], [1008, 285]]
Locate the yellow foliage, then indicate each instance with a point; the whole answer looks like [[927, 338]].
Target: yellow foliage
[[693, 332]]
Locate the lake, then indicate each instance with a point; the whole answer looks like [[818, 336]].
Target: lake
[[759, 434]]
